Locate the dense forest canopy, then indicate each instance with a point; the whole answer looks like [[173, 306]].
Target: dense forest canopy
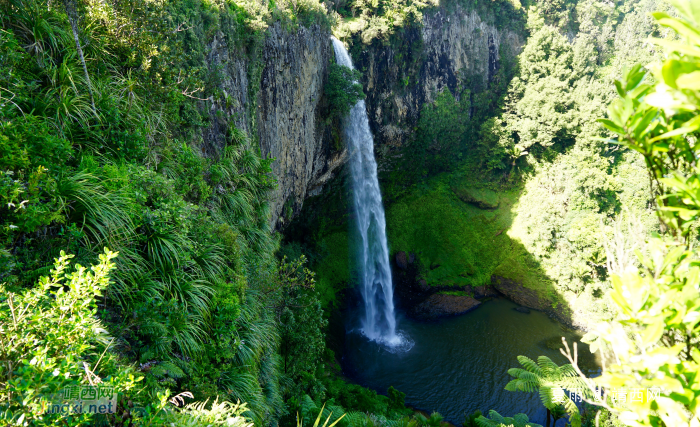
[[579, 155]]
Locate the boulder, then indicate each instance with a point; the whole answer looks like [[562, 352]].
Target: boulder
[[521, 309], [519, 294], [401, 260], [529, 299], [441, 305]]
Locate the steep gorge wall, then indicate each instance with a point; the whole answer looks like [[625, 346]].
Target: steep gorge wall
[[453, 49], [278, 95]]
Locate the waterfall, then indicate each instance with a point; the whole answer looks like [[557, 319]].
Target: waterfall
[[379, 321]]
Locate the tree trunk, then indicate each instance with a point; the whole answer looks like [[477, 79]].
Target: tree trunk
[[548, 414], [72, 13]]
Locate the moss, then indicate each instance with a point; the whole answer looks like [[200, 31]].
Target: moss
[[457, 244], [519, 266], [456, 293]]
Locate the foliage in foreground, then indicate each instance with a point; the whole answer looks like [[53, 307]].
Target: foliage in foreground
[[50, 339], [652, 343], [550, 381]]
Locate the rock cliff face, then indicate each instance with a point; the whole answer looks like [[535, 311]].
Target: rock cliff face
[[278, 96], [454, 50]]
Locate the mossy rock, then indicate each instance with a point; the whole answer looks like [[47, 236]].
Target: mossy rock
[[480, 197], [457, 293]]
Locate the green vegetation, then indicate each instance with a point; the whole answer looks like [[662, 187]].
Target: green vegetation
[[656, 295], [652, 340], [464, 249], [102, 114], [383, 21], [50, 339], [379, 19], [108, 152], [496, 420], [550, 381], [439, 134], [342, 90]]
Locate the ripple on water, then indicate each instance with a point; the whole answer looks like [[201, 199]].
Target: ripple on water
[[459, 364]]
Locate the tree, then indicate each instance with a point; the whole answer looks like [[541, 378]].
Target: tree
[[342, 90], [550, 380], [301, 324], [72, 12], [540, 109], [654, 337], [439, 138]]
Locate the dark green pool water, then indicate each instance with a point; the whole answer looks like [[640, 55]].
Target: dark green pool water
[[460, 364]]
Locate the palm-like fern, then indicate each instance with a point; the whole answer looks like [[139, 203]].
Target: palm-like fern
[[205, 414], [497, 420], [433, 421], [551, 381]]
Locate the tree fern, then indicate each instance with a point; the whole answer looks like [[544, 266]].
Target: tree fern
[[497, 420], [551, 381], [355, 419]]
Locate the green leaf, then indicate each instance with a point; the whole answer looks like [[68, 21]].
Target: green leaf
[[612, 126], [653, 332], [681, 27], [689, 81], [670, 70], [689, 8], [677, 46], [690, 126], [620, 89]]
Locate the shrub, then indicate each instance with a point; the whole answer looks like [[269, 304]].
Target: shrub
[[342, 90], [51, 339]]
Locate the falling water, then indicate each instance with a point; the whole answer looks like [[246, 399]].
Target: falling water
[[379, 322]]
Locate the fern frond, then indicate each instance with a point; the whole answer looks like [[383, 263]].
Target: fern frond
[[530, 365]]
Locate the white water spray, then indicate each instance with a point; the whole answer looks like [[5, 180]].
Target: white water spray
[[379, 322]]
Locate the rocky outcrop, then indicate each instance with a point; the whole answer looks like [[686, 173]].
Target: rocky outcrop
[[528, 298], [454, 50], [441, 305], [277, 98], [401, 260], [289, 122], [519, 294], [276, 94]]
